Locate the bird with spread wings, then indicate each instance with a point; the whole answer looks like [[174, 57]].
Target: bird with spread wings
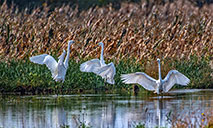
[[99, 67], [58, 69], [160, 85]]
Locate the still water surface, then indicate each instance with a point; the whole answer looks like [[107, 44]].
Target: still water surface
[[103, 111]]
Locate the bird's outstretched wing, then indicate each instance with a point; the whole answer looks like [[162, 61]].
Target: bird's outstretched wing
[[39, 59], [174, 77], [90, 66], [141, 78], [48, 60], [107, 72]]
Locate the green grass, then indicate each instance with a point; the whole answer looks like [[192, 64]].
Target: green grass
[[26, 77]]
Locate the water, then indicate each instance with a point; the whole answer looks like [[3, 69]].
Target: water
[[104, 111]]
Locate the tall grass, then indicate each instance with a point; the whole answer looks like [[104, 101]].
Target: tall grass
[[176, 29], [24, 76]]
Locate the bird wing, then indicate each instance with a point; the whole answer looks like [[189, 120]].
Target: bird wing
[[107, 72], [48, 60], [141, 78], [90, 66], [39, 59], [174, 77]]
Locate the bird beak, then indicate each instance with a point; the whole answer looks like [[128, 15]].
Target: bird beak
[[71, 42]]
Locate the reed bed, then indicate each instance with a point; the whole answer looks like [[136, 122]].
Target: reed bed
[[141, 31]]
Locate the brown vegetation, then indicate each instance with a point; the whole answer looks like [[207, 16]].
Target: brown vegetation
[[140, 31]]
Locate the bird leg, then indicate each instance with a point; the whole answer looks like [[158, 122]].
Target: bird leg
[[96, 87], [62, 86], [56, 89], [105, 80]]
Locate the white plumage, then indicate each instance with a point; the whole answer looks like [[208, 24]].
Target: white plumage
[[141, 78], [90, 66], [159, 86], [58, 69], [99, 67]]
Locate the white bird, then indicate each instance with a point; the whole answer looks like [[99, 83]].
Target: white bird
[[159, 86], [58, 69], [99, 67]]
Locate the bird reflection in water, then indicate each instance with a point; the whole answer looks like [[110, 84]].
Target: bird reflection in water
[[59, 117], [160, 108]]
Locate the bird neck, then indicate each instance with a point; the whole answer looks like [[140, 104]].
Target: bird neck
[[61, 58], [102, 54], [67, 57], [159, 71]]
